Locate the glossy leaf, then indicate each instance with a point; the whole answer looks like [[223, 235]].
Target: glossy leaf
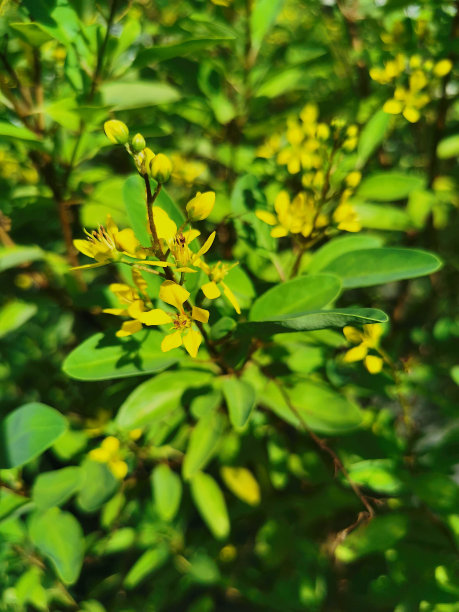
[[159, 53], [55, 488], [372, 136], [337, 247], [296, 296], [59, 537], [14, 314], [97, 485], [240, 398], [210, 502], [147, 564], [137, 94], [167, 491], [11, 257], [376, 266], [203, 444], [104, 356], [27, 432], [154, 399], [389, 186]]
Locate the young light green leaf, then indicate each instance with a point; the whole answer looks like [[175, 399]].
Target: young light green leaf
[[59, 537], [104, 356], [203, 443], [55, 488], [11, 257], [149, 562], [389, 186], [262, 17], [14, 314], [167, 491], [240, 398], [372, 136], [27, 432], [296, 296], [208, 499], [376, 266]]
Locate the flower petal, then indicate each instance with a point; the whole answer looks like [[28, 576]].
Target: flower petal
[[373, 364], [119, 312], [191, 235], [393, 107], [154, 317], [353, 335], [411, 114], [136, 309], [118, 468], [126, 241], [171, 341], [191, 341], [266, 217], [356, 354], [173, 294], [199, 314], [128, 328], [211, 290], [206, 246], [231, 298], [165, 227], [84, 246], [88, 266], [279, 232]]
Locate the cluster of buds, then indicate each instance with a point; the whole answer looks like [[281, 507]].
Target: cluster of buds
[[171, 255]]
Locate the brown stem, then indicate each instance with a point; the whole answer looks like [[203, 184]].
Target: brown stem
[[296, 265]]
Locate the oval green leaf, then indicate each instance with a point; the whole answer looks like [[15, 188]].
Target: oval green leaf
[[104, 356], [167, 491], [54, 488], [203, 443], [240, 398], [208, 499], [295, 296], [27, 432], [59, 537], [97, 485], [389, 186], [14, 314], [337, 247], [377, 266]]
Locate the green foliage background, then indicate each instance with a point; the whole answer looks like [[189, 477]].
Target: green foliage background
[[232, 501]]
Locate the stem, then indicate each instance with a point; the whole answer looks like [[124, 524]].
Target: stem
[[101, 52], [151, 197], [296, 265]]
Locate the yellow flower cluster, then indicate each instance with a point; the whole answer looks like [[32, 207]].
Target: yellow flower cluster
[[109, 453], [315, 150], [172, 252], [411, 77], [366, 340]]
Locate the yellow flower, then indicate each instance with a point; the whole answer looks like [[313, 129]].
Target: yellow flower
[[217, 273], [300, 216], [161, 168], [200, 207], [366, 340], [177, 241], [116, 131], [108, 452], [106, 244], [181, 331], [443, 67], [346, 218], [409, 101]]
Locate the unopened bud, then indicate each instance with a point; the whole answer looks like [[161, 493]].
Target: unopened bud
[[200, 206], [161, 168], [138, 143], [116, 131]]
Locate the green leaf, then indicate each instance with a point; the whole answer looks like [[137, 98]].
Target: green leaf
[[382, 216], [337, 247], [17, 132], [184, 48], [204, 440], [149, 562], [55, 488], [315, 405], [27, 432], [380, 534], [377, 266], [104, 356], [208, 499], [97, 485], [59, 537], [295, 296], [167, 491], [372, 136], [137, 94], [377, 474], [240, 398], [9, 502], [262, 18], [390, 185], [154, 399], [280, 83], [448, 147], [14, 315], [31, 32], [309, 321], [10, 257]]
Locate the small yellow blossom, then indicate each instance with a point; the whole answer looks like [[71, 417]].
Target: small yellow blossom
[[443, 67], [109, 453], [346, 218], [181, 331], [161, 168], [116, 131], [353, 179], [217, 273], [299, 216], [366, 340], [178, 242], [200, 207]]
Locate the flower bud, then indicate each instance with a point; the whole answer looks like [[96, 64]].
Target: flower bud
[[138, 143], [200, 206], [116, 131], [161, 168]]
